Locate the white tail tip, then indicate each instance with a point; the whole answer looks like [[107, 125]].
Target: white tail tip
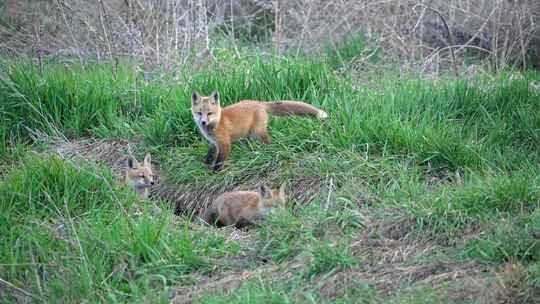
[[322, 115]]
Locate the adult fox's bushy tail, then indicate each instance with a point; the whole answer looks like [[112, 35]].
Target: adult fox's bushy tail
[[288, 108]]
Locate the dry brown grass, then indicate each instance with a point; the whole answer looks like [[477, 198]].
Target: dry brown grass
[[512, 286], [165, 32], [393, 267], [388, 279]]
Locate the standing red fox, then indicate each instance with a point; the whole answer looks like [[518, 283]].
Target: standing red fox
[[247, 118], [243, 208]]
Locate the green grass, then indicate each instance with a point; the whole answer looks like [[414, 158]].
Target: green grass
[[512, 238], [451, 156], [69, 234]]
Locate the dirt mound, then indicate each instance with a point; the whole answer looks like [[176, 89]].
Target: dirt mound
[[112, 153], [187, 198]]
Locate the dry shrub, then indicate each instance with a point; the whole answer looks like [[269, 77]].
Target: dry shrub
[[412, 30], [165, 32], [161, 32]]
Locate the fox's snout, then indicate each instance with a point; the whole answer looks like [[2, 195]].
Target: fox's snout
[[205, 121], [149, 182], [202, 119], [139, 176]]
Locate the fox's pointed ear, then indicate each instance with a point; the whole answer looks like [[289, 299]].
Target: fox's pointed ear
[[195, 97], [132, 163], [264, 191], [214, 97], [147, 160]]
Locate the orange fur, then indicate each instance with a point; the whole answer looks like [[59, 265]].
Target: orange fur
[[243, 208], [139, 177], [247, 118]]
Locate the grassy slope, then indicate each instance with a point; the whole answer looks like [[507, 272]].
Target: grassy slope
[[458, 160]]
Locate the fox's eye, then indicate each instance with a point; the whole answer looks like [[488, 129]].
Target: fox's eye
[[141, 176], [199, 113], [210, 113]]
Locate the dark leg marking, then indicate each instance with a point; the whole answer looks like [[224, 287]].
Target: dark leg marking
[[211, 155], [223, 154]]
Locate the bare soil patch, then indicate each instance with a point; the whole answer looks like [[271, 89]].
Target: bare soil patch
[[393, 265]]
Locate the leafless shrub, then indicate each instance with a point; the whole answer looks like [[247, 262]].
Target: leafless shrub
[[160, 32], [506, 31], [165, 32]]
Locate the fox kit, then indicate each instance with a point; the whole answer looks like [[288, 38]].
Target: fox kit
[[247, 118], [139, 177], [243, 208]]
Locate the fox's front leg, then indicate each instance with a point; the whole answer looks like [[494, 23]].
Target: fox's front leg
[[258, 219], [211, 155], [243, 223], [224, 150]]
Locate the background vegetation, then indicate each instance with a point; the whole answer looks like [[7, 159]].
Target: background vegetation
[[421, 187]]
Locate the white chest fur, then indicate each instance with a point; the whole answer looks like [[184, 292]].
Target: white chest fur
[[206, 134]]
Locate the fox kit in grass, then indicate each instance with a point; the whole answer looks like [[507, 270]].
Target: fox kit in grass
[[139, 177], [247, 118], [243, 208]]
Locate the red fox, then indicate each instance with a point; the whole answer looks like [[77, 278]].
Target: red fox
[[243, 208], [247, 118], [140, 177]]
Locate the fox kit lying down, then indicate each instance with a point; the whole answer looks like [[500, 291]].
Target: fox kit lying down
[[243, 208], [247, 118], [139, 177]]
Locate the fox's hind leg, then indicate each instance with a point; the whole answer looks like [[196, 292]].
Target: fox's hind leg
[[245, 223], [260, 129], [261, 134], [242, 223], [263, 137]]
